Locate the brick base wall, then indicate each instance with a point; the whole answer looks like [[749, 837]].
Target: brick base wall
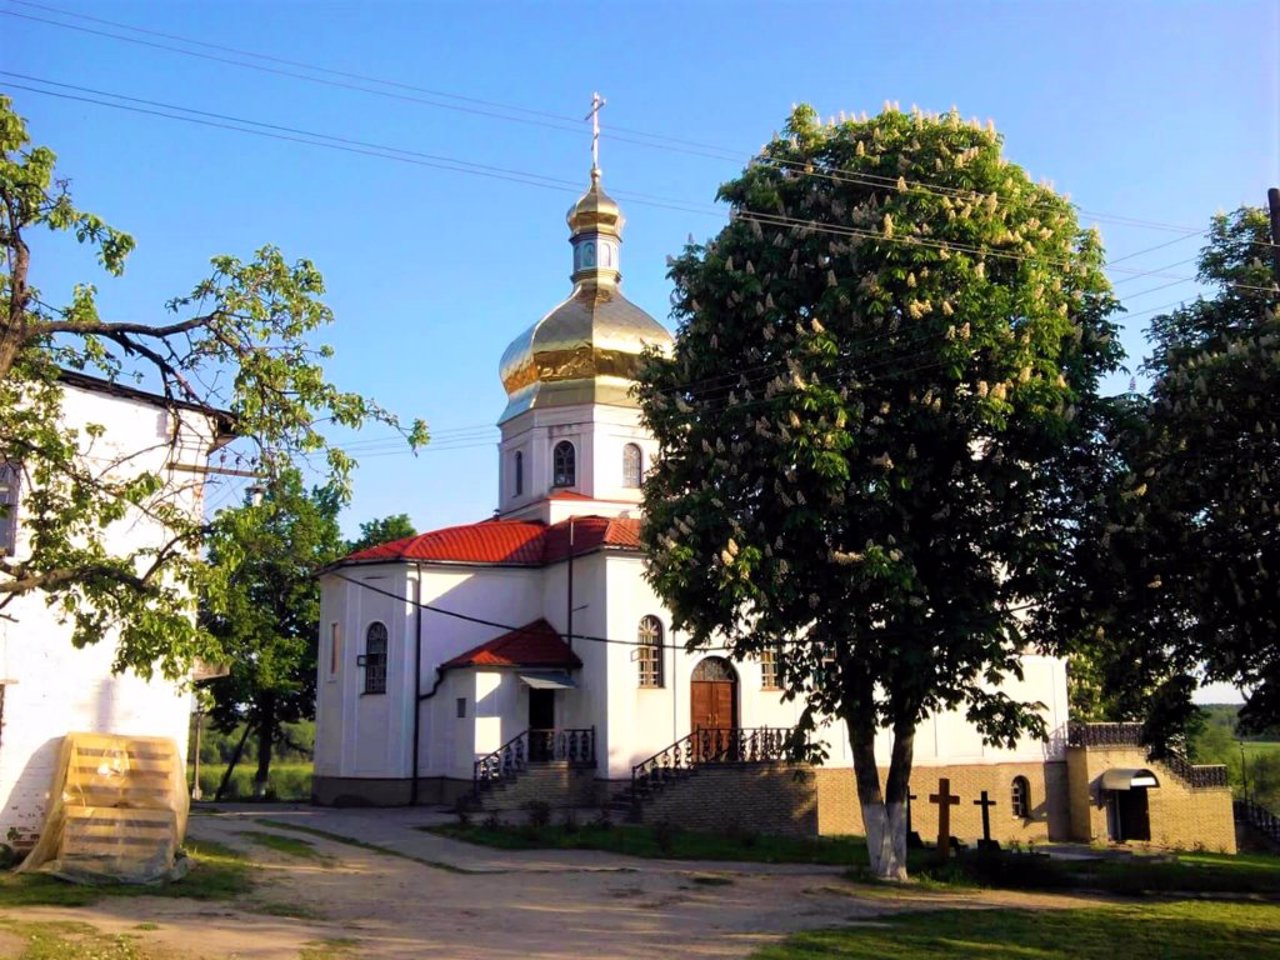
[[1181, 815], [557, 784], [384, 792], [840, 813], [774, 798]]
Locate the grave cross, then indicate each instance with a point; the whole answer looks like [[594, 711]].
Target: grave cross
[[913, 838], [986, 804], [945, 801]]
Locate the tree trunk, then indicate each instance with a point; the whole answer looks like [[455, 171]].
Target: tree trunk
[[885, 823], [266, 737], [235, 758]]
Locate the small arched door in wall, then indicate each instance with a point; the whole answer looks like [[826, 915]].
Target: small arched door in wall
[[713, 696]]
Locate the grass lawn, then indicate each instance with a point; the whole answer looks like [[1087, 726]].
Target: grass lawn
[[289, 781], [217, 873], [70, 940], [638, 841], [293, 846], [1192, 872], [1158, 931], [1257, 748]]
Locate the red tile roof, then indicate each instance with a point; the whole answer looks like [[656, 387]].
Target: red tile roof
[[534, 645], [521, 543]]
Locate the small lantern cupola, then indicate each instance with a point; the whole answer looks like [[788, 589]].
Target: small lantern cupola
[[595, 224]]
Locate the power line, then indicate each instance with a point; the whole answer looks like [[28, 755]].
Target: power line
[[532, 179], [588, 638], [559, 120]]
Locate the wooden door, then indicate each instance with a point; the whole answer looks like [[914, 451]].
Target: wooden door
[[713, 717], [714, 705]]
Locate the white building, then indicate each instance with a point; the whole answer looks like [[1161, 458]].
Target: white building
[[469, 622], [48, 688]]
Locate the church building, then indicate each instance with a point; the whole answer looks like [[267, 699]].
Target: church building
[[525, 656]]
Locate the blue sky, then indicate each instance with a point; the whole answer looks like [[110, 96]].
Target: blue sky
[[1150, 112]]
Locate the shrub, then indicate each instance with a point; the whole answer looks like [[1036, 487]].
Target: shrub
[[539, 812], [664, 835], [570, 824], [737, 833]]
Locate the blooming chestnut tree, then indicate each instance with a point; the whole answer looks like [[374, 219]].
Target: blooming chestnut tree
[[871, 425]]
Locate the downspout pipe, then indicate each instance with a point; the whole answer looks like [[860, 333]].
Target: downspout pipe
[[417, 682]]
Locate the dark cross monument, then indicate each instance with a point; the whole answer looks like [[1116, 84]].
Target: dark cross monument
[[986, 803], [913, 838], [945, 801]]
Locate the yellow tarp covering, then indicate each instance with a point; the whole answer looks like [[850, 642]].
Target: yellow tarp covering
[[117, 811]]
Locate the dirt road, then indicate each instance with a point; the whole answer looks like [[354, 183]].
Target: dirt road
[[458, 901]]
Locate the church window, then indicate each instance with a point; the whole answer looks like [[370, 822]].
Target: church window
[[374, 660], [632, 465], [519, 469], [460, 708], [10, 481], [649, 652], [1021, 798], [335, 649], [769, 670], [564, 468]]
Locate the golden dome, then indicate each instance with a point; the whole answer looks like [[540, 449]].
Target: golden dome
[[588, 348]]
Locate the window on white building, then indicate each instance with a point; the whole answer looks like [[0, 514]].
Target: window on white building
[[769, 670], [374, 659], [632, 465], [564, 467], [10, 484], [335, 649], [519, 470], [649, 652]]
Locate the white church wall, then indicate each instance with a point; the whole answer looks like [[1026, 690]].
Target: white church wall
[[586, 706], [50, 687], [598, 434], [371, 735], [643, 721]]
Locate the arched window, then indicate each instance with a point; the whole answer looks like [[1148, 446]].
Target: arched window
[[649, 652], [632, 465], [564, 468], [1021, 805], [519, 469], [374, 659]]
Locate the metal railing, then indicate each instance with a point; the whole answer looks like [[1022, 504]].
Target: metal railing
[[1130, 735], [1257, 816], [576, 745], [712, 745]]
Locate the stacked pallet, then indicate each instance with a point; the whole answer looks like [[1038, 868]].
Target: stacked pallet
[[118, 810]]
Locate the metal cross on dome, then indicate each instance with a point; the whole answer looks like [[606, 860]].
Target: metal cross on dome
[[597, 102]]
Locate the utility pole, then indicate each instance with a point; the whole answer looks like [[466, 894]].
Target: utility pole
[[1273, 202]]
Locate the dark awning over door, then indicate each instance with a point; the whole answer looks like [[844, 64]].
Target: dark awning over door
[[1128, 779]]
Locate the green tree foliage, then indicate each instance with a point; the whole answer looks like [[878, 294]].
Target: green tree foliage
[[265, 609], [395, 526], [871, 425], [241, 340], [1180, 584]]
